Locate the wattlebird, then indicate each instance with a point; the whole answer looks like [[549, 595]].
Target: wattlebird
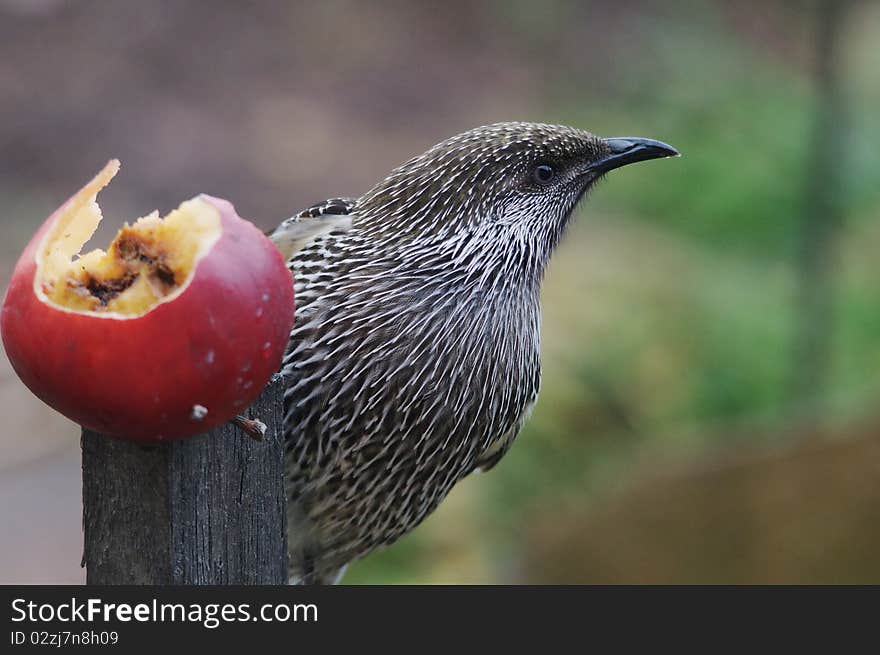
[[415, 354]]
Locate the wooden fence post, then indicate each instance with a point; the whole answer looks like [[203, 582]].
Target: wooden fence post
[[206, 510]]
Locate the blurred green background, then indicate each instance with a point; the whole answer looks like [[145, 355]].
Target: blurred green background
[[711, 334]]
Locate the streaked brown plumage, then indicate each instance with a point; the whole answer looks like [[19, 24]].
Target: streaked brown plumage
[[415, 356]]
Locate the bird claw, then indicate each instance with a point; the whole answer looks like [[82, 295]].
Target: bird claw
[[253, 428]]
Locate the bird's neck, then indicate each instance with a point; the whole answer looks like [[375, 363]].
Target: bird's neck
[[502, 260]]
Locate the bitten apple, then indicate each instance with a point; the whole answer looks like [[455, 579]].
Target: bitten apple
[[172, 331]]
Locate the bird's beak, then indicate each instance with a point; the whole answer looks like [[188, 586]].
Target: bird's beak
[[629, 150]]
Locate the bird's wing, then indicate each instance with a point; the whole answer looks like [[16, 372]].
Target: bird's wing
[[335, 206], [333, 215], [496, 450], [499, 447]]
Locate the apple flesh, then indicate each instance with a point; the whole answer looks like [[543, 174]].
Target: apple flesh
[[174, 330]]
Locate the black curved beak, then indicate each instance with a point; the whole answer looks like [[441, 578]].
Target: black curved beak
[[629, 150]]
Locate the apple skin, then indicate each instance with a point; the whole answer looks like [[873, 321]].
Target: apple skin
[[216, 345]]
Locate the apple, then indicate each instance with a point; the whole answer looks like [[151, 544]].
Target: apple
[[175, 329]]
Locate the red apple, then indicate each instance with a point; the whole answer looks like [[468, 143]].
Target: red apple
[[172, 331]]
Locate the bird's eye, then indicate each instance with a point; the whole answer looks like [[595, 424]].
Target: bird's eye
[[544, 173]]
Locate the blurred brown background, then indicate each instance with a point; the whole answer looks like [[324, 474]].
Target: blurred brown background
[[712, 324]]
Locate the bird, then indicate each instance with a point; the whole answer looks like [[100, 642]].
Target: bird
[[414, 358]]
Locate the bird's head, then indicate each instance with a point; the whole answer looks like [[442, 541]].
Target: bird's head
[[511, 180]]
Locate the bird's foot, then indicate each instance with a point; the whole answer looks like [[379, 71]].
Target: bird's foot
[[253, 428]]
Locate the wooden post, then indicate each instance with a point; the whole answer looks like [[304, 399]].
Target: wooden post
[[206, 510]]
